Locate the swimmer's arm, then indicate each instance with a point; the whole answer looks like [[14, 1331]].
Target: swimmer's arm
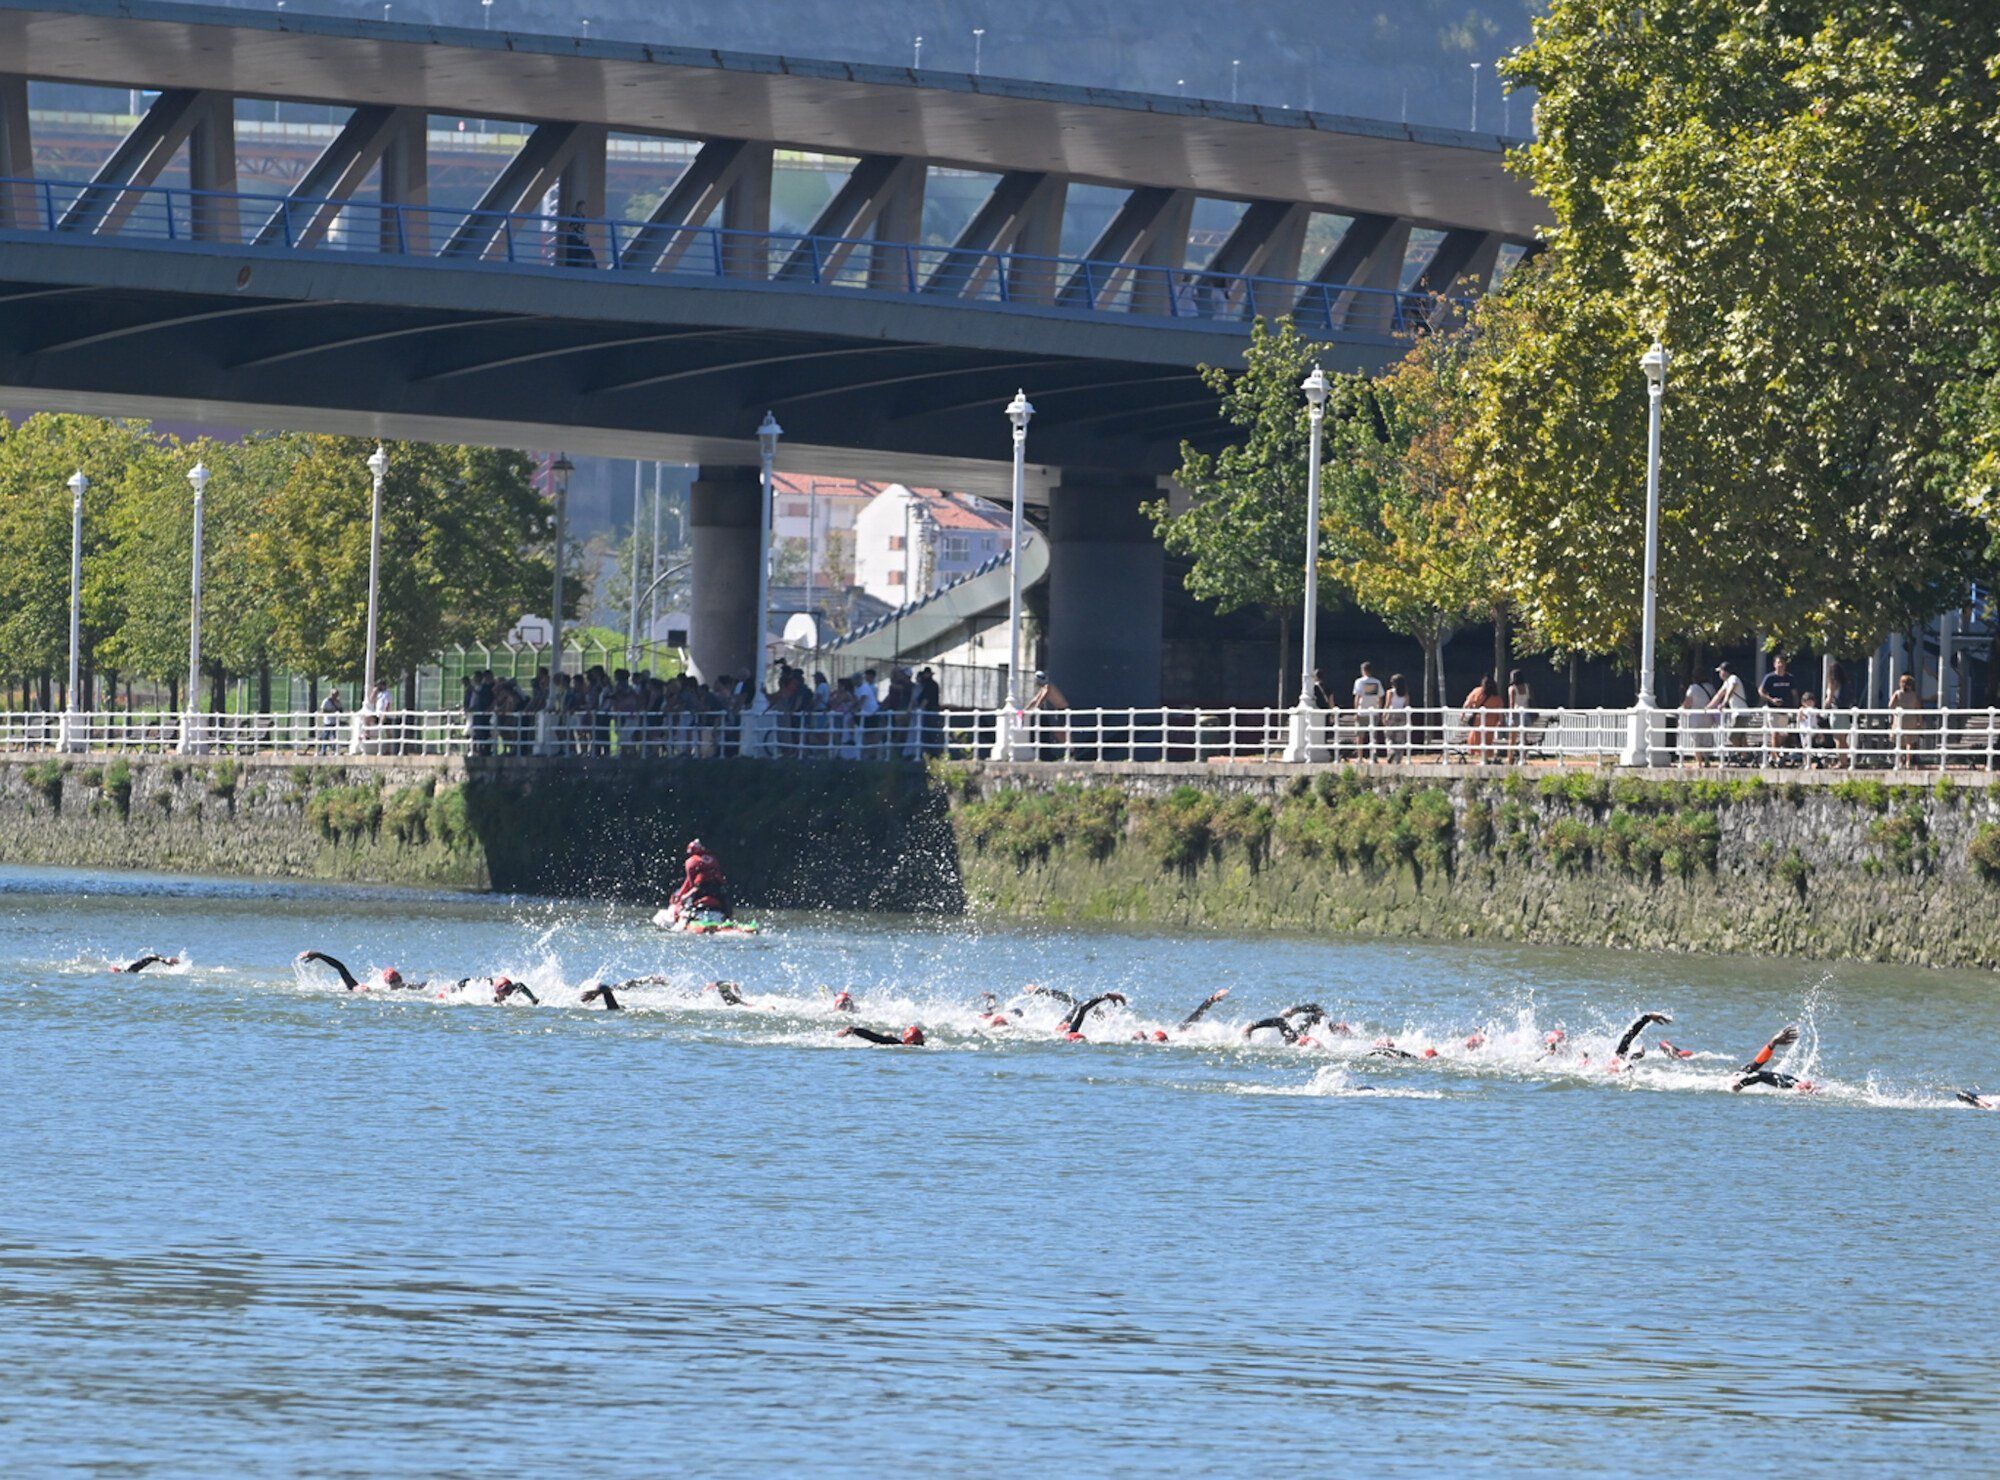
[[1638, 1027], [1194, 1017], [346, 977]]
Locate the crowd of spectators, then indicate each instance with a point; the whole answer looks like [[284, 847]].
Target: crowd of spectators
[[600, 712]]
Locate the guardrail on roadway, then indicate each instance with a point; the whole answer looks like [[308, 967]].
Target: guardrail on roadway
[[1848, 739], [175, 216]]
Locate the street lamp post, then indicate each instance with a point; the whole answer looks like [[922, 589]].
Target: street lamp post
[[1639, 747], [559, 472], [1475, 97], [1019, 412], [378, 470], [917, 59], [78, 487], [486, 6], [1300, 748], [632, 627], [768, 433], [190, 726], [978, 41]]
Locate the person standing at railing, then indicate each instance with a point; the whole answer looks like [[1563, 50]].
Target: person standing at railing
[[1697, 724], [896, 706], [1906, 720], [1779, 691], [1481, 716], [330, 711], [868, 710], [375, 719], [1520, 711], [477, 701], [1367, 711], [573, 246], [1395, 717], [927, 712], [1729, 705]]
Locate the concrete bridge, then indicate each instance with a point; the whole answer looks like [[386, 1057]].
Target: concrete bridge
[[351, 302]]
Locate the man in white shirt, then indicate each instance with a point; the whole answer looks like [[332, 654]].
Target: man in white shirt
[[1368, 710], [869, 705]]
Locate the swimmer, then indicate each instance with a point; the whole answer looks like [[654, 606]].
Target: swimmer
[[1281, 1025], [1677, 1053], [505, 988], [1073, 1024], [1759, 1070], [604, 995], [728, 992], [1207, 1002], [843, 1002], [1625, 1053], [1312, 1012], [912, 1037], [1385, 1048], [1978, 1101], [1033, 989], [1555, 1041], [133, 968], [340, 968]]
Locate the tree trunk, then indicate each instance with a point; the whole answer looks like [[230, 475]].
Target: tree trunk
[[218, 689], [48, 696], [312, 693], [1429, 699], [1503, 658], [263, 688]]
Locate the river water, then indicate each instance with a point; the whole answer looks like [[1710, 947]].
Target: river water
[[252, 1222]]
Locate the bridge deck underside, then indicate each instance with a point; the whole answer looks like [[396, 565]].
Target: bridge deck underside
[[401, 350]]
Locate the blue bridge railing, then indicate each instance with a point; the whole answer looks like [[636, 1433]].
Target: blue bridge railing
[[522, 240]]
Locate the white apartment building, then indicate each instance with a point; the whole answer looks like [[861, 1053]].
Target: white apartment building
[[908, 542], [817, 515]]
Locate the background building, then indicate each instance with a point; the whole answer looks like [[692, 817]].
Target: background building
[[908, 541]]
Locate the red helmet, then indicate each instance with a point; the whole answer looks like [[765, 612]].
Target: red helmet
[[697, 846], [913, 1036]]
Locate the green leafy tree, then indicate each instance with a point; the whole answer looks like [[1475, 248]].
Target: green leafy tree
[[1244, 529], [36, 460], [465, 537], [1769, 190], [1404, 532]]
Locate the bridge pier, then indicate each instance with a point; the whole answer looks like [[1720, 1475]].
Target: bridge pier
[[722, 608], [1106, 591]]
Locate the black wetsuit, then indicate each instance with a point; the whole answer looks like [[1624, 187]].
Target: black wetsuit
[[1978, 1101], [1074, 1022], [1207, 1002], [869, 1035], [1281, 1025], [1638, 1027], [507, 989], [1312, 1012], [144, 961], [728, 993], [1772, 1077], [1389, 1051], [346, 977], [1060, 996], [604, 995]]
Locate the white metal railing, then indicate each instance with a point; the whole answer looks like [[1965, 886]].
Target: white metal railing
[[1862, 739]]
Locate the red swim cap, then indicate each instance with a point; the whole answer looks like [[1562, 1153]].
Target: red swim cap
[[1475, 1040], [913, 1036], [1159, 1036], [841, 999], [1430, 1053], [1384, 1042], [1073, 1037], [392, 977]]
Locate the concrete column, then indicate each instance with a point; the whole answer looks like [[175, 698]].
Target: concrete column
[[405, 181], [1106, 591], [722, 611], [19, 204], [212, 171]]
